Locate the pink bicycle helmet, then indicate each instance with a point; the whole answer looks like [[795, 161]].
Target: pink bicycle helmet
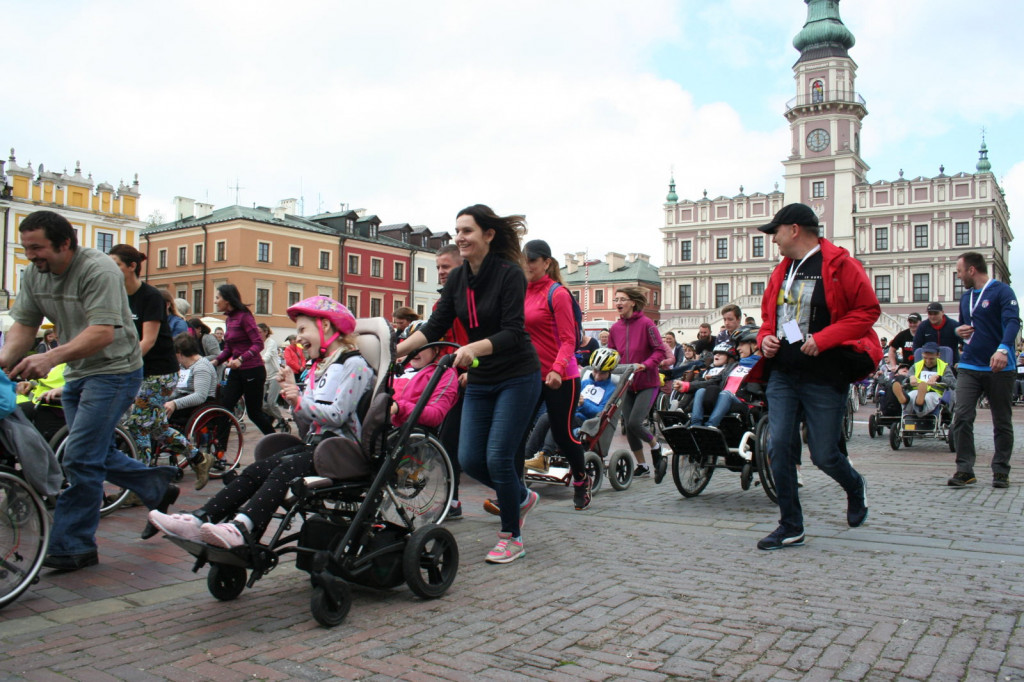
[[323, 307]]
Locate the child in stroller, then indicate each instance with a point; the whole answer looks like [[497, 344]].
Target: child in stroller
[[325, 413]]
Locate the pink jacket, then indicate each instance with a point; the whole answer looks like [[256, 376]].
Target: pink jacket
[[409, 390], [639, 342]]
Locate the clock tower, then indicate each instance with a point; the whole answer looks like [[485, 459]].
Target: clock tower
[[825, 120]]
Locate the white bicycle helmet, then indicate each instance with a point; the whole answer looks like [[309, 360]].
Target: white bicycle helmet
[[604, 359]]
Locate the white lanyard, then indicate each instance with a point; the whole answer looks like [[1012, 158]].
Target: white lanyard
[[793, 270], [981, 294]]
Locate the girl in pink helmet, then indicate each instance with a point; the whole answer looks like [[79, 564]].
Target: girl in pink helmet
[[325, 412]]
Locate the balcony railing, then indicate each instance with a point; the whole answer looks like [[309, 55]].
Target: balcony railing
[[825, 98]]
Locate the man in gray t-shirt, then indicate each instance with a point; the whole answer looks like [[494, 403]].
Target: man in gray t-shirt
[[82, 291]]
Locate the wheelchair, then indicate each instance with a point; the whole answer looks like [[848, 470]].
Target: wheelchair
[[376, 532], [201, 430], [887, 409], [741, 443], [113, 496], [937, 425]]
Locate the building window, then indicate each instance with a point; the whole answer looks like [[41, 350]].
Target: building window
[[576, 295], [421, 274], [722, 248], [104, 241], [375, 306], [920, 236], [262, 301], [881, 239], [182, 255], [295, 256], [818, 189], [353, 265], [161, 258], [883, 288], [757, 288], [399, 271], [721, 295], [598, 296], [198, 260], [376, 266], [963, 234], [182, 294], [221, 250], [263, 252], [353, 303], [958, 289], [293, 297], [197, 302], [685, 296], [758, 247], [921, 289], [419, 310], [325, 260], [686, 250], [817, 92]]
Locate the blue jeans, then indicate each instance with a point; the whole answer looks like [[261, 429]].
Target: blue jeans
[[93, 406], [724, 404], [821, 406], [494, 419]]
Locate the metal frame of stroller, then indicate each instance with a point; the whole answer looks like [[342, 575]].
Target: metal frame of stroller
[[355, 531]]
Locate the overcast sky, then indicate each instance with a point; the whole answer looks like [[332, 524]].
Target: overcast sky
[[572, 113]]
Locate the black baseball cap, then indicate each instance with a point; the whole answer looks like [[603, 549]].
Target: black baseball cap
[[537, 248], [934, 307], [914, 317], [801, 214], [930, 347]]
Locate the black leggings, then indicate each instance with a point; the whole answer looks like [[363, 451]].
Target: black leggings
[[261, 488], [248, 383], [561, 405]]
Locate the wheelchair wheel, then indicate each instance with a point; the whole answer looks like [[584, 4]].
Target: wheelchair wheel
[[423, 482], [593, 465], [949, 437], [762, 458], [24, 535], [113, 496], [894, 436], [872, 426], [330, 608], [225, 582], [430, 561], [620, 469], [214, 430], [692, 474]]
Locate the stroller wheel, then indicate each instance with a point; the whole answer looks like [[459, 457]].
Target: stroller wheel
[[329, 607], [225, 582], [620, 469], [430, 561]]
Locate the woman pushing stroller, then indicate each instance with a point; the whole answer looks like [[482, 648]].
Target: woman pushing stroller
[[325, 412]]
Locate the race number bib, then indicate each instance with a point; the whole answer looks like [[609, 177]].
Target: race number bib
[[593, 394], [183, 375], [927, 375]]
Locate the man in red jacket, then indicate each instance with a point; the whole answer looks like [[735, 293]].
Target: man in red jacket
[[818, 312]]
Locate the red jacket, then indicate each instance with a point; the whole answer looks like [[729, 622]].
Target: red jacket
[[849, 295], [294, 358], [553, 335]]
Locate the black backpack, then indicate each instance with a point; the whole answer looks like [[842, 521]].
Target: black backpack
[[576, 311]]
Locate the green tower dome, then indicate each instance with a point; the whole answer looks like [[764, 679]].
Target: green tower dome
[[672, 196], [984, 166], [824, 33]]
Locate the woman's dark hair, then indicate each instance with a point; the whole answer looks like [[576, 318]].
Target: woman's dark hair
[[172, 307], [635, 294], [197, 324], [229, 292], [185, 344], [508, 230], [264, 328], [55, 226], [128, 255]]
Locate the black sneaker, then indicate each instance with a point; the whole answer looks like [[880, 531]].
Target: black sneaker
[[1000, 480], [641, 470], [961, 478], [660, 465], [581, 495], [857, 505], [780, 539], [454, 513]]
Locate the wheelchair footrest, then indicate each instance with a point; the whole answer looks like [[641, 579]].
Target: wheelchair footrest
[[238, 556], [680, 440], [710, 441]]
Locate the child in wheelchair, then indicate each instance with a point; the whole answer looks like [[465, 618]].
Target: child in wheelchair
[[930, 380], [721, 394], [326, 414], [410, 384]]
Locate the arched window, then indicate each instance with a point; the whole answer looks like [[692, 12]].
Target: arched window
[[817, 92]]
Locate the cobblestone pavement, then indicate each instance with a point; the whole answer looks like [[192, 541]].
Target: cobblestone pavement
[[645, 585]]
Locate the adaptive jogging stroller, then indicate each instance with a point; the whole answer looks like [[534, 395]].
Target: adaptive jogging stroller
[[596, 436], [887, 407], [742, 442], [375, 532], [937, 425]]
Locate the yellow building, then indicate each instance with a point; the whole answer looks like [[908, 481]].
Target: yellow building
[[101, 215]]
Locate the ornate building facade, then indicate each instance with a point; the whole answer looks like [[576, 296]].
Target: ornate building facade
[[907, 233]]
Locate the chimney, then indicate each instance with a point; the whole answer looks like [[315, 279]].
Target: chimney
[[616, 261], [203, 209], [290, 206], [571, 264], [184, 208], [361, 212], [279, 212], [634, 257]]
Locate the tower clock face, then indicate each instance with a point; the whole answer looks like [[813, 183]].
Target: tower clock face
[[817, 140]]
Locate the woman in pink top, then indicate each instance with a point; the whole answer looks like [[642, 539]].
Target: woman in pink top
[[551, 324], [242, 347]]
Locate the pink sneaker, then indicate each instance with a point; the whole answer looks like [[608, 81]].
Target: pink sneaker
[[531, 501], [224, 535], [507, 550], [179, 525]]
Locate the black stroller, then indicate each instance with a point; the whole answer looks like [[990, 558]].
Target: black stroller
[[377, 532]]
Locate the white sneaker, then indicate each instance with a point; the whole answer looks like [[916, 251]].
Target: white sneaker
[[224, 535]]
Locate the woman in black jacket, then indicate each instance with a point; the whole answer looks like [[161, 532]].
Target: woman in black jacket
[[486, 295]]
